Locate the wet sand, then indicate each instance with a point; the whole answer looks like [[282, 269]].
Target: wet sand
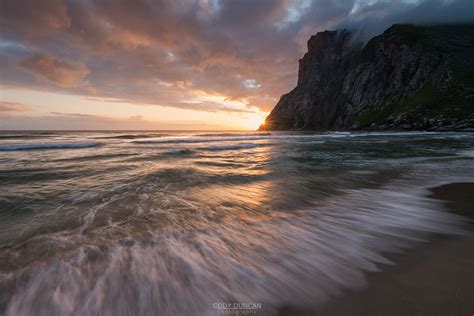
[[435, 278]]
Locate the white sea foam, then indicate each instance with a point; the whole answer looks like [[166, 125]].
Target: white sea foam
[[467, 153], [42, 146], [229, 147], [197, 140], [243, 134], [315, 255], [211, 138]]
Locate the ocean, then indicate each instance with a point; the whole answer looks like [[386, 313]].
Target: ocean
[[182, 223]]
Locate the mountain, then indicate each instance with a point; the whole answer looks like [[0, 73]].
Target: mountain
[[410, 77]]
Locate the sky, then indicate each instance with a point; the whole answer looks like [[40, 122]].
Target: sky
[[172, 64]]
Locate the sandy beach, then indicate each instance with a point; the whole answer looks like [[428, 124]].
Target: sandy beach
[[435, 278]]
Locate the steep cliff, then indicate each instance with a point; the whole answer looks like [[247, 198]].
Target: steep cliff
[[409, 77]]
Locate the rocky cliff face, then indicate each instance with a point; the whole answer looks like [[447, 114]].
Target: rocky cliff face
[[409, 77]]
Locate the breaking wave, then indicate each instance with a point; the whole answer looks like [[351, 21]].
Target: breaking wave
[[43, 146], [230, 147]]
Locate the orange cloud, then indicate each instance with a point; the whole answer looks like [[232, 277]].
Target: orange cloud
[[13, 107], [60, 72]]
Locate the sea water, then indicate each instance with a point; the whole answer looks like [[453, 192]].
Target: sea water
[[177, 223]]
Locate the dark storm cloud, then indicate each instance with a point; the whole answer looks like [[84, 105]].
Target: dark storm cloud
[[373, 19], [166, 52]]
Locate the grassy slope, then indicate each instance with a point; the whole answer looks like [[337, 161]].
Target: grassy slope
[[453, 97]]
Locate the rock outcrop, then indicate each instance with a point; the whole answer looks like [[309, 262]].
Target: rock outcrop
[[410, 77]]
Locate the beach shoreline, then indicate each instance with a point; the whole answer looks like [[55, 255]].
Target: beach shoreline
[[432, 278]]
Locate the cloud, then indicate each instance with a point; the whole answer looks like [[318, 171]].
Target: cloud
[[80, 121], [251, 84], [165, 52], [27, 18], [62, 73], [374, 18], [13, 107]]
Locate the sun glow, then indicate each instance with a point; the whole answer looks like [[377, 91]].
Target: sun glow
[[46, 110], [252, 122], [240, 114]]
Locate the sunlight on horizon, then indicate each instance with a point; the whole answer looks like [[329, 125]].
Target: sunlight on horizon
[[49, 110]]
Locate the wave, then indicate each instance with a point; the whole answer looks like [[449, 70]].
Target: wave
[[133, 136], [239, 137], [173, 154], [43, 146], [28, 136], [230, 147], [196, 140], [97, 157], [208, 138], [235, 134], [365, 134], [467, 153]]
